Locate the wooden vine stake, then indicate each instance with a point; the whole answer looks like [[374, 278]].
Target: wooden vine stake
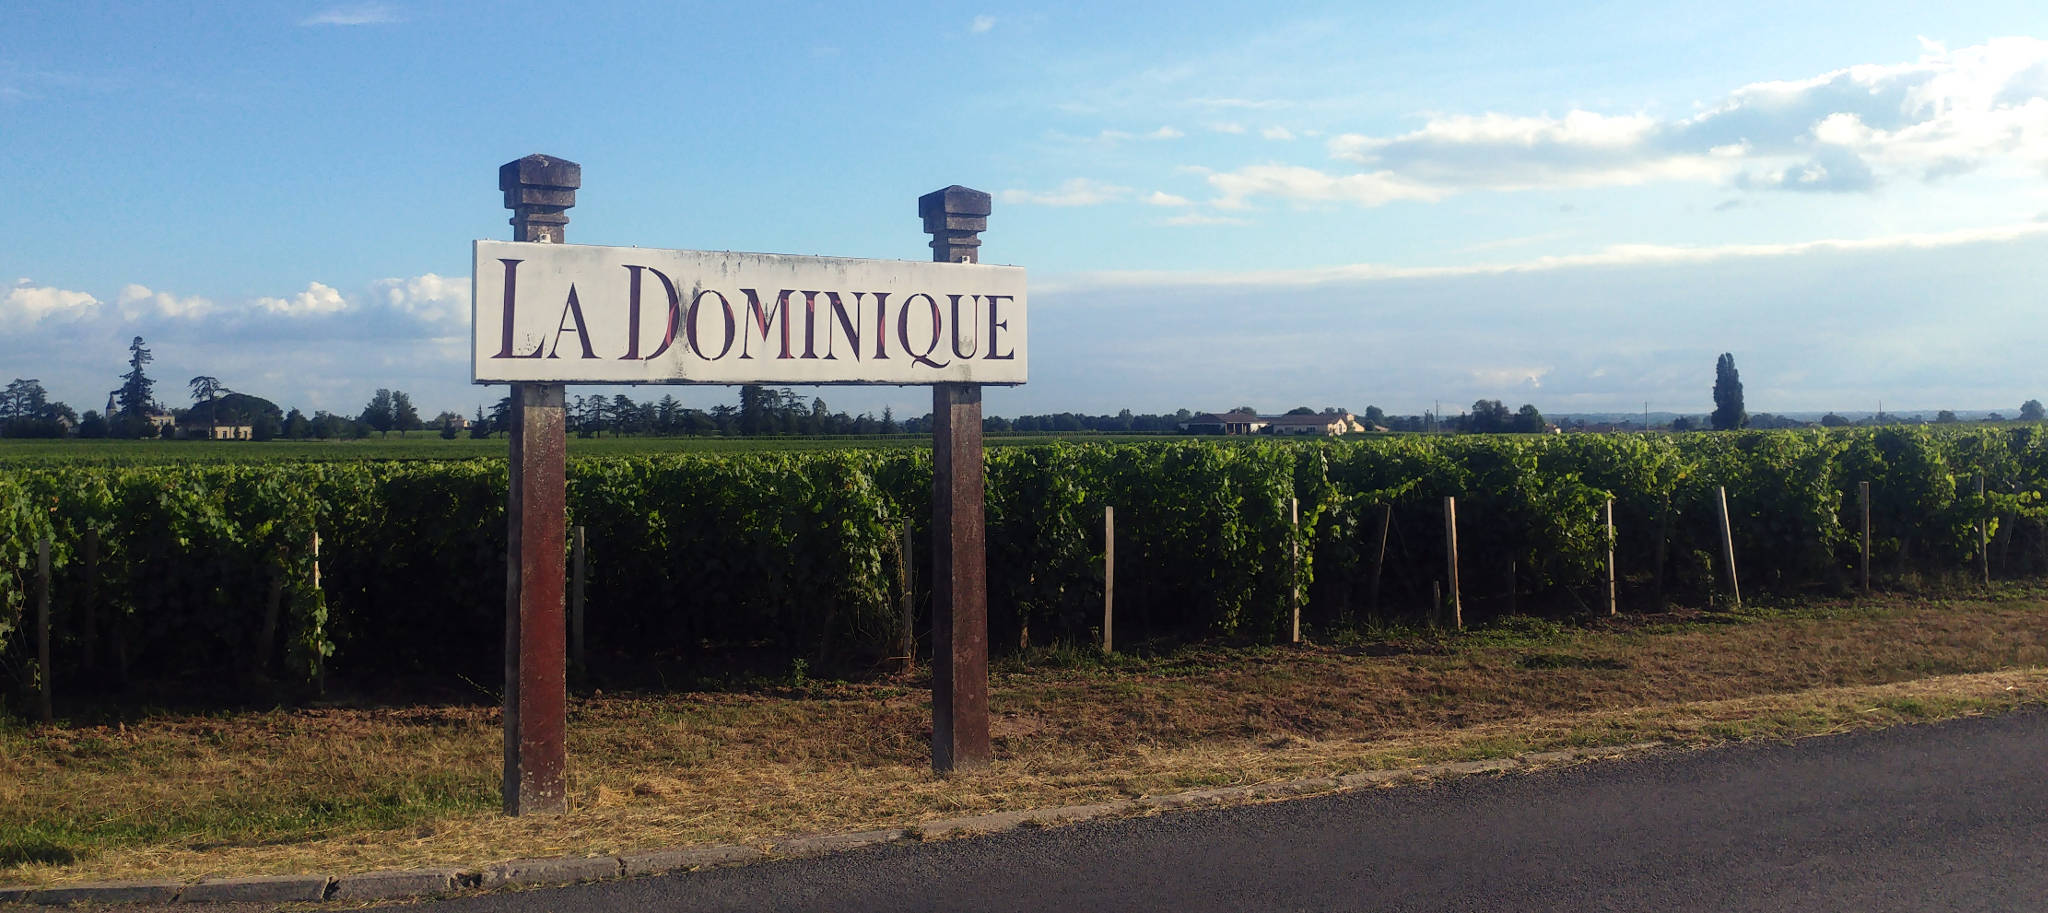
[[1108, 580], [1294, 568], [1983, 533], [1728, 547], [1379, 559], [1607, 513], [1863, 500], [1451, 558], [43, 706]]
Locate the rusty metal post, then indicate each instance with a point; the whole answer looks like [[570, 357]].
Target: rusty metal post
[[539, 190], [955, 218]]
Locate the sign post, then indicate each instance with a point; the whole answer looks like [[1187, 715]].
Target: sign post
[[955, 218], [539, 190], [546, 313]]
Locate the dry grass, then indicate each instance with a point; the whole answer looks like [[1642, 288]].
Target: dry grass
[[358, 789]]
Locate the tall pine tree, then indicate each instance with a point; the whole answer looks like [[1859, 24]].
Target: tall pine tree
[[1728, 414]]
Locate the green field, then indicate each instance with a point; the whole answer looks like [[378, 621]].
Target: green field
[[424, 445]]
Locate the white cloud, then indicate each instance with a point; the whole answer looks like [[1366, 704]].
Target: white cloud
[[354, 14], [1619, 255], [982, 24], [1854, 129], [1309, 185], [138, 301], [1074, 192], [1227, 128], [1162, 198], [1165, 133], [1255, 104], [1277, 133], [27, 303], [1201, 218], [316, 299], [432, 298]]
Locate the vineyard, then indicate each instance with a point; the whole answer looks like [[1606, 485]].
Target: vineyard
[[199, 577]]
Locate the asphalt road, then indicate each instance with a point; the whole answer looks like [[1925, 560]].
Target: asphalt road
[[1938, 817]]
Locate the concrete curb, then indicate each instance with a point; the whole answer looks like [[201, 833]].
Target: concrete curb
[[399, 885]]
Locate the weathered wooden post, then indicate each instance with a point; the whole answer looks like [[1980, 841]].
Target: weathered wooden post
[[43, 705], [1728, 546], [1451, 557], [1379, 560], [1294, 568], [1607, 515], [955, 218], [539, 190], [1983, 534], [1108, 579]]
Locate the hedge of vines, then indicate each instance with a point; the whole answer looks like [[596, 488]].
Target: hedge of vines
[[202, 575]]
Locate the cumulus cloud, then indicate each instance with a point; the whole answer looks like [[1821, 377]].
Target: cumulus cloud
[[1302, 183], [982, 24], [1162, 198], [1165, 133], [431, 298], [1277, 133], [316, 299], [27, 303], [1949, 112], [1074, 192], [354, 14], [1227, 128], [137, 301]]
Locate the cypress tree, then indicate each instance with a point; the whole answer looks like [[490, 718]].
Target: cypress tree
[[1728, 414]]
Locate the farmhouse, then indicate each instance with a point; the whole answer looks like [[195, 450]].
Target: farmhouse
[[1225, 423], [1341, 423]]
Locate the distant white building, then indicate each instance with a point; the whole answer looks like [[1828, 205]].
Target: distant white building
[[1325, 424], [1225, 423]]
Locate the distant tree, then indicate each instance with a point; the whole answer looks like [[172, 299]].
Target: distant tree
[[379, 414], [888, 420], [1681, 423], [1301, 410], [296, 427], [1944, 417], [403, 416], [1245, 409], [479, 427], [205, 390], [2031, 411], [1374, 416], [1728, 412], [625, 415], [135, 395], [23, 398], [1529, 421], [1832, 420], [93, 425], [1994, 417], [1489, 416]]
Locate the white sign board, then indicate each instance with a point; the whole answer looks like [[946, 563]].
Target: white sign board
[[573, 313]]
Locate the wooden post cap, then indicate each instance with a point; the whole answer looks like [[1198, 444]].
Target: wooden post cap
[[539, 189], [955, 217]]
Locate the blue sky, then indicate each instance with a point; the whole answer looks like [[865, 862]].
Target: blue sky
[[1573, 205]]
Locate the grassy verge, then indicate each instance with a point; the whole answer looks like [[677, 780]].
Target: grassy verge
[[336, 789]]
